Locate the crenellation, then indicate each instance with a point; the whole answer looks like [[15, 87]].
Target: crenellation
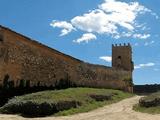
[[121, 45]]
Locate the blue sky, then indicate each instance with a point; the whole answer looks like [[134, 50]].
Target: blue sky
[[86, 29]]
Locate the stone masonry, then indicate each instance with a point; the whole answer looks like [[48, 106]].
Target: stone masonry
[[25, 61]]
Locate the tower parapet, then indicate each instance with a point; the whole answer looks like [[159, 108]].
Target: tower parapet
[[121, 45], [122, 56]]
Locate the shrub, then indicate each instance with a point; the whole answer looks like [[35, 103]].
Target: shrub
[[34, 109], [151, 100]]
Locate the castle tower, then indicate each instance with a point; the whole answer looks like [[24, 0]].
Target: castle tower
[[122, 57]]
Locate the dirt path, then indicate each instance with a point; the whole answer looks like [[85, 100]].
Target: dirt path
[[118, 111]]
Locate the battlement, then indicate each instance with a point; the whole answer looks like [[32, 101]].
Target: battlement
[[121, 45]]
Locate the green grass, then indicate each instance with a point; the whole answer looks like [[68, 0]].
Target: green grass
[[92, 104], [72, 94]]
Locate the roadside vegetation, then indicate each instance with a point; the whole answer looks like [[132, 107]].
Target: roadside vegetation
[[149, 104], [62, 102]]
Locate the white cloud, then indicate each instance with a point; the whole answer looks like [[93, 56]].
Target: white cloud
[[95, 21], [113, 18], [106, 58], [146, 44], [149, 43], [86, 38], [150, 64], [136, 44], [122, 13], [141, 36], [156, 69], [66, 27], [154, 14], [109, 16]]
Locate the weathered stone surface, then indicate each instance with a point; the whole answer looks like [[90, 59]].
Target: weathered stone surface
[[28, 60]]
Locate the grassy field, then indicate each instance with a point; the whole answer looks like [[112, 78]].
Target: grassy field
[[47, 99], [149, 104]]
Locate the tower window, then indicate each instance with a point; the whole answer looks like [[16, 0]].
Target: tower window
[[119, 57], [119, 62], [1, 38]]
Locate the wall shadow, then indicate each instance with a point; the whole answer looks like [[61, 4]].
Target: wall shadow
[[7, 91]]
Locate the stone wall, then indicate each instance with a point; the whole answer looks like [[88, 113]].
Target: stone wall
[[24, 62]]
